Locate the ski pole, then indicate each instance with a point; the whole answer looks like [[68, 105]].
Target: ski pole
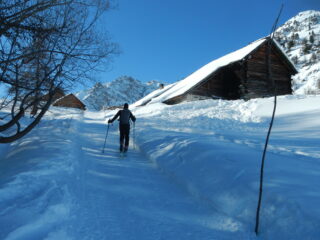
[[134, 135], [105, 138]]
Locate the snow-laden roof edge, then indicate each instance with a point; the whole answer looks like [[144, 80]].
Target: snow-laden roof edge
[[184, 85], [145, 100], [284, 53]]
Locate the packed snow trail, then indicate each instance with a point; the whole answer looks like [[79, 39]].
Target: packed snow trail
[[128, 198], [56, 183]]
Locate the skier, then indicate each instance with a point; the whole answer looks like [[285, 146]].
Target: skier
[[124, 126]]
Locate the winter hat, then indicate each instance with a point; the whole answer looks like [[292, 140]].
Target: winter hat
[[125, 106]]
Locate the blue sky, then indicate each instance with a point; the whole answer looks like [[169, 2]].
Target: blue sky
[[166, 40]]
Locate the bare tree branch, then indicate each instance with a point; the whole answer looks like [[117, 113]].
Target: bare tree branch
[[46, 45]]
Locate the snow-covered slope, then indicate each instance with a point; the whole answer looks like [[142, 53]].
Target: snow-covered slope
[[57, 184], [116, 93], [300, 37], [213, 149]]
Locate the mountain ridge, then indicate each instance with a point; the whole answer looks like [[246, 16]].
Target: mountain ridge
[[124, 89]]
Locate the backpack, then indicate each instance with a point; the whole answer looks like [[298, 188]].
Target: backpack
[[124, 116]]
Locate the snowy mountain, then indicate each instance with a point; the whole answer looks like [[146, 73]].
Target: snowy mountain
[[300, 38], [116, 93]]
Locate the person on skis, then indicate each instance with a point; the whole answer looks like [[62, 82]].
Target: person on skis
[[124, 126]]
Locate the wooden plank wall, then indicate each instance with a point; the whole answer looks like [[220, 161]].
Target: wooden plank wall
[[70, 101], [213, 86], [257, 67], [224, 83]]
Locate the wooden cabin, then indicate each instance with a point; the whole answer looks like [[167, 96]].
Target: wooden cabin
[[58, 94], [258, 70], [70, 101]]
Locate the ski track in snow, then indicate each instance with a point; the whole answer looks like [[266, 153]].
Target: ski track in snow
[[191, 176], [128, 198]]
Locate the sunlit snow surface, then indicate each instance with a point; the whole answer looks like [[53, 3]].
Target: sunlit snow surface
[[192, 172]]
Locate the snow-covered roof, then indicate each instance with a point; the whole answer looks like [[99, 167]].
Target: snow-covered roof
[[195, 78], [184, 85], [153, 95], [284, 53]]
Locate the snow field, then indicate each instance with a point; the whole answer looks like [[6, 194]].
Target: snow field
[[35, 199], [56, 183], [213, 148]]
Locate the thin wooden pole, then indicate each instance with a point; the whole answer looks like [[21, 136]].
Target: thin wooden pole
[[271, 122]]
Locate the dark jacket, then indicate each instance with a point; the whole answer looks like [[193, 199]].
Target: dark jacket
[[125, 116]]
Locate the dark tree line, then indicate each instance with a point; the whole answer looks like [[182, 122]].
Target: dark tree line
[[45, 46]]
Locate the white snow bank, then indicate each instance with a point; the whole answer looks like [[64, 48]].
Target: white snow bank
[[34, 195], [213, 149]]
